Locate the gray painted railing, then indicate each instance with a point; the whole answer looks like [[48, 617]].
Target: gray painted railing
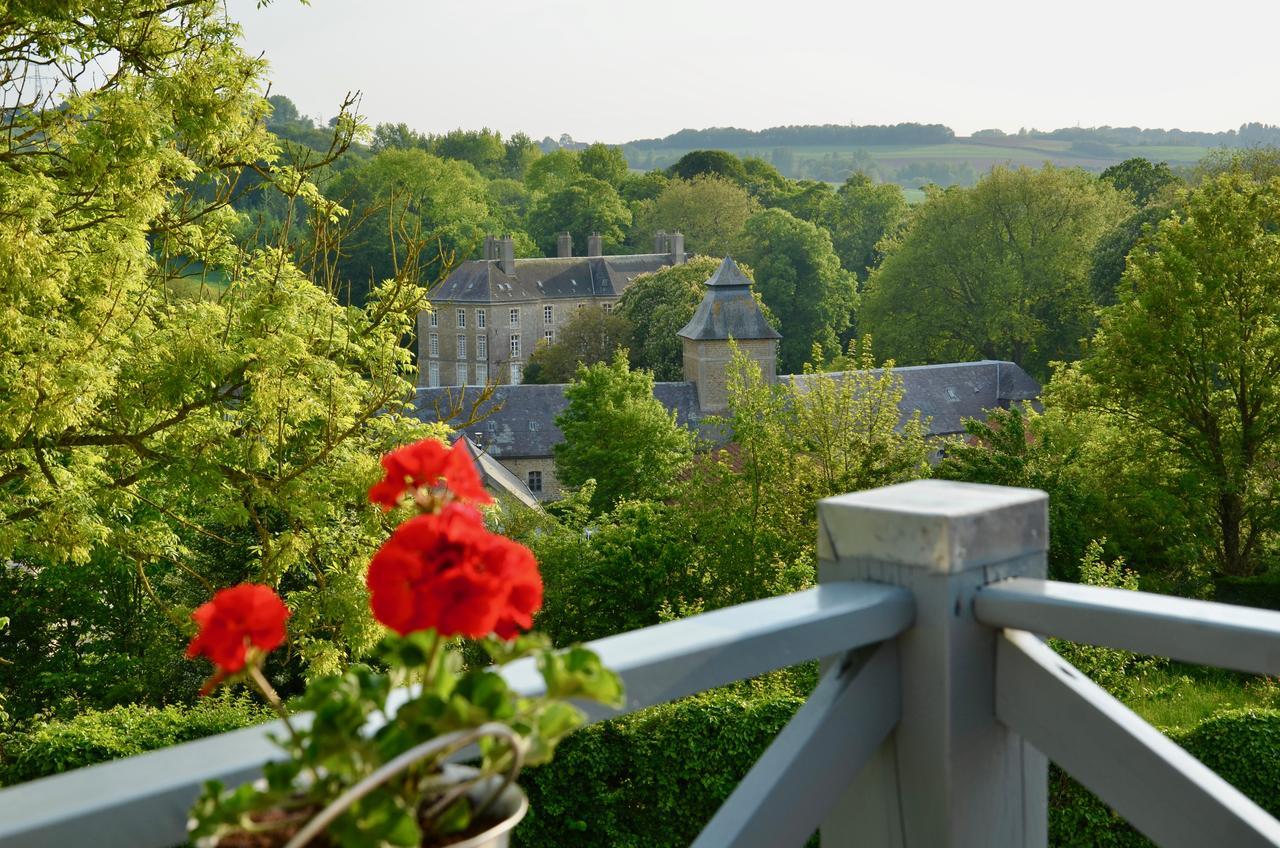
[[930, 727]]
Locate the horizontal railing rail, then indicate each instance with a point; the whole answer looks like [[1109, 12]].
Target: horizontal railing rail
[[1222, 635], [143, 801]]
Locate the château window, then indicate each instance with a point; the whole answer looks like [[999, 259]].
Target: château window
[[547, 314], [480, 318], [608, 307], [435, 345], [462, 346], [482, 347], [535, 481], [549, 336], [435, 318], [482, 373], [462, 373], [582, 306], [462, 317], [517, 373], [515, 317], [515, 344], [433, 374]]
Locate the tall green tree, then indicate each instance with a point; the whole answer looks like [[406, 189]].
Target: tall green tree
[[699, 163], [1191, 357], [590, 335], [604, 162], [409, 203], [618, 434], [1145, 179], [177, 410], [998, 271], [709, 211], [861, 216], [799, 277], [585, 207]]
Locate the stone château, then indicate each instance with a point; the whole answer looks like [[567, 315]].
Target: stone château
[[521, 432], [489, 314]]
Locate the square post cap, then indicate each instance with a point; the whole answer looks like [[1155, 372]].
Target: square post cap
[[936, 525]]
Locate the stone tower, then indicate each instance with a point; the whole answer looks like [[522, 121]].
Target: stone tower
[[728, 311]]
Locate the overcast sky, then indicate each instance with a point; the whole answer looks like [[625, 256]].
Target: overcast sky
[[616, 70]]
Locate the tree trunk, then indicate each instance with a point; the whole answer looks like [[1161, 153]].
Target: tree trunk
[[1235, 561]]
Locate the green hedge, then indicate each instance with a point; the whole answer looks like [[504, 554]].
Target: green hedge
[[652, 779], [655, 778], [1262, 591], [100, 735], [1242, 746]]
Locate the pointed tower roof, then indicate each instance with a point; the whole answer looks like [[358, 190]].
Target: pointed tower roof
[[728, 310]]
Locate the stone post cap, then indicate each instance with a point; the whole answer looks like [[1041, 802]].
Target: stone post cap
[[936, 525]]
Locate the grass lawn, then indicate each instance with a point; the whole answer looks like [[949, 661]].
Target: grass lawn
[[1177, 697]]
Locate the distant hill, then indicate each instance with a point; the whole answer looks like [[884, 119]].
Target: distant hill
[[915, 154]]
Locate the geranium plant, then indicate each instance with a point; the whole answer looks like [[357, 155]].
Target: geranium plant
[[361, 771]]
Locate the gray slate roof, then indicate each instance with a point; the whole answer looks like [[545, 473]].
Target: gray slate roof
[[727, 310], [524, 426], [497, 478], [949, 393], [482, 280]]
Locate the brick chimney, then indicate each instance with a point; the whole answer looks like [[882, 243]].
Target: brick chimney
[[507, 255], [595, 245], [564, 245], [490, 248]]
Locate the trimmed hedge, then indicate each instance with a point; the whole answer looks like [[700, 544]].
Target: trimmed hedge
[[1242, 746], [1262, 591], [100, 735], [655, 778]]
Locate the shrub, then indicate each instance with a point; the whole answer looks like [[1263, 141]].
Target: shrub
[[1242, 746], [100, 735], [654, 778]]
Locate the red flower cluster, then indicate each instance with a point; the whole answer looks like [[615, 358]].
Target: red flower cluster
[[431, 464], [244, 616], [446, 571]]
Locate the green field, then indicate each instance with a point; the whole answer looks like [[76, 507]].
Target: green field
[[961, 161]]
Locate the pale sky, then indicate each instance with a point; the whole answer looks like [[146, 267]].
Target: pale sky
[[615, 71]]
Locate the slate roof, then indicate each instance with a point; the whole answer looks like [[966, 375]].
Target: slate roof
[[497, 478], [949, 393], [524, 426], [482, 280], [727, 310]]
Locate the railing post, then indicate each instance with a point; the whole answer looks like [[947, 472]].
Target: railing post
[[951, 775]]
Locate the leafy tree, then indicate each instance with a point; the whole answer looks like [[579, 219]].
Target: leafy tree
[[520, 152], [585, 207], [799, 276], [181, 440], [658, 305], [717, 163], [1017, 447], [591, 335], [1147, 180], [409, 202], [998, 271], [553, 171], [618, 434], [862, 214], [482, 148], [1190, 357], [808, 200], [709, 211], [646, 186], [604, 162], [762, 180], [1113, 250]]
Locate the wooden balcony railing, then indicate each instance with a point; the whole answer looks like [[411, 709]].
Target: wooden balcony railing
[[932, 724]]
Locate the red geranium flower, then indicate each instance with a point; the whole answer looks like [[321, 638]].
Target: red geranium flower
[[516, 569], [428, 463], [430, 574], [237, 618]]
